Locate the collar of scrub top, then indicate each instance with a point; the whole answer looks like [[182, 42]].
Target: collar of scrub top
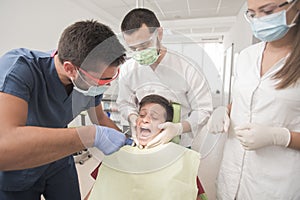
[[101, 81], [54, 53]]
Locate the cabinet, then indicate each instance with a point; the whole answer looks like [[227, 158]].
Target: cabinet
[[109, 106]]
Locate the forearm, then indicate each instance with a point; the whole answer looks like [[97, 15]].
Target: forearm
[[295, 141], [27, 146], [197, 120], [186, 127], [109, 123], [126, 110], [98, 116]]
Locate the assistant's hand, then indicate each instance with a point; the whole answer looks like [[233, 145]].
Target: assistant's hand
[[170, 130], [108, 140], [219, 120], [255, 136], [132, 122]]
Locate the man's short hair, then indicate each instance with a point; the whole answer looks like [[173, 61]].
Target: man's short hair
[[136, 18], [81, 38]]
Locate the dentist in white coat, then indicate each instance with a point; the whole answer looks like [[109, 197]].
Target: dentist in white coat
[[155, 69]]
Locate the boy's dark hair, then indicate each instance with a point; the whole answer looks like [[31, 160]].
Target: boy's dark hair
[[136, 18], [167, 105], [81, 38]]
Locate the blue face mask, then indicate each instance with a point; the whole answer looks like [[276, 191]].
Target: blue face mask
[[92, 90], [271, 27]]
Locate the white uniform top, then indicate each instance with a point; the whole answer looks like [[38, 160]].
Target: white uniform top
[[176, 79], [271, 172]]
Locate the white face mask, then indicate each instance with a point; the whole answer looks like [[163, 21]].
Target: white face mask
[[92, 90]]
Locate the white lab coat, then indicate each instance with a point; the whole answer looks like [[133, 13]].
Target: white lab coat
[[176, 79], [271, 172]]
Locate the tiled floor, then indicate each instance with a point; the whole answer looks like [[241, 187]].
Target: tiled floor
[[85, 180], [84, 170]]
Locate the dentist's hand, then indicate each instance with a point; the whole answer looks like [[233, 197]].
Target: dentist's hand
[[108, 140], [255, 136], [132, 123], [219, 120], [170, 130]]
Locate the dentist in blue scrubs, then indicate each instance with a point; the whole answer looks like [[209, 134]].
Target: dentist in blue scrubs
[[40, 94]]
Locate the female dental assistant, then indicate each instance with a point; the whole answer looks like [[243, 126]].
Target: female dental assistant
[[261, 158]]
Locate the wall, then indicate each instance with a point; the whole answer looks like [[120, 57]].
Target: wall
[[37, 24], [209, 58], [240, 34]]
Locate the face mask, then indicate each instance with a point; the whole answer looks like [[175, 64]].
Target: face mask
[[147, 56], [92, 91], [272, 27]]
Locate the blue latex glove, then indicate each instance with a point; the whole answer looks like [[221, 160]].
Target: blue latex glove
[[129, 141], [108, 140]]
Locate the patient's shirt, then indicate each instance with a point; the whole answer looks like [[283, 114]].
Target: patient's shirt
[[164, 172]]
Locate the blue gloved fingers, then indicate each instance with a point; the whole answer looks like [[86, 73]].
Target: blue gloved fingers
[[108, 140], [128, 141]]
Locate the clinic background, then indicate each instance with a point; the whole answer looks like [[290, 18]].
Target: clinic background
[[211, 33]]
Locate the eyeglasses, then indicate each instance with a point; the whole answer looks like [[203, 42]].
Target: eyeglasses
[[145, 44], [265, 10], [149, 43], [101, 81]]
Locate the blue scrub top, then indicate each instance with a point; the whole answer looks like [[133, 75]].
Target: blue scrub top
[[31, 75]]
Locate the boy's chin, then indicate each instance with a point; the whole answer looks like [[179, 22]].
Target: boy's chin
[[143, 142]]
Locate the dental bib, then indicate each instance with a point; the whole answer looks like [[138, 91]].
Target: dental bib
[[166, 172]]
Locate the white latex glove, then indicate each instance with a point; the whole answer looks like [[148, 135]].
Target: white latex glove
[[219, 120], [255, 136], [132, 122], [170, 130]]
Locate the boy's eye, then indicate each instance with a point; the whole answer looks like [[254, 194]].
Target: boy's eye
[[154, 117]]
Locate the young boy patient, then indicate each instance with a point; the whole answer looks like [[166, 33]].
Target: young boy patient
[[163, 172]]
